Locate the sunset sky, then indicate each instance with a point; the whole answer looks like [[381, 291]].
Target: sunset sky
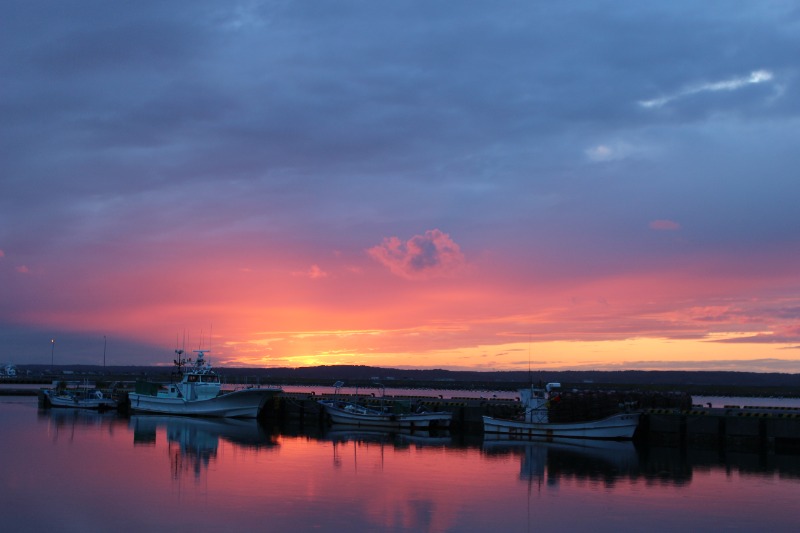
[[464, 185]]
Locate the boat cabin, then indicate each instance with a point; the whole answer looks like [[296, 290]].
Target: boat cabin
[[536, 401]]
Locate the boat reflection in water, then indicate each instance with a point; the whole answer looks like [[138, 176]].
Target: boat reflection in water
[[548, 460], [192, 443], [345, 433], [66, 423], [395, 440]]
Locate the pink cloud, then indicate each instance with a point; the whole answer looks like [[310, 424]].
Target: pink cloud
[[22, 269], [433, 254], [314, 272], [664, 225], [2, 254]]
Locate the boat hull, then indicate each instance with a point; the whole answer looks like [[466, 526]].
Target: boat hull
[[246, 403], [369, 418], [619, 427]]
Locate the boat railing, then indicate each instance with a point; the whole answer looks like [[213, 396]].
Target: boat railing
[[243, 384]]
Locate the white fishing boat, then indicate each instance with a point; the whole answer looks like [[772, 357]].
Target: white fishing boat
[[357, 415], [83, 397], [536, 423], [199, 393]]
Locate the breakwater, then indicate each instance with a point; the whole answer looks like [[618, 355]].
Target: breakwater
[[18, 392], [667, 419], [734, 428], [468, 411]]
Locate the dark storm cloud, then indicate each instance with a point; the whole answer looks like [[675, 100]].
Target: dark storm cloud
[[501, 101]]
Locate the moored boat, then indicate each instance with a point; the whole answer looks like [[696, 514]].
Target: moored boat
[[199, 393], [357, 415], [536, 423], [83, 397]]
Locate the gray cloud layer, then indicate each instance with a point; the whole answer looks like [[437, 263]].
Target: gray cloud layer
[[488, 107]]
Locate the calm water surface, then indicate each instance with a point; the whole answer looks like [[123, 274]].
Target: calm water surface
[[76, 470]]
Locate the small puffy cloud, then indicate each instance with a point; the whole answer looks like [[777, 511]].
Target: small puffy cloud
[[22, 269], [609, 151], [425, 256], [599, 153], [313, 272], [2, 254], [664, 225]]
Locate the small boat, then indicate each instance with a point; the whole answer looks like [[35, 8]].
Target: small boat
[[536, 423], [354, 414], [199, 393], [357, 415], [84, 397]]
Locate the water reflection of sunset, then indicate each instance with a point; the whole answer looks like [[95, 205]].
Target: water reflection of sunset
[[149, 471]]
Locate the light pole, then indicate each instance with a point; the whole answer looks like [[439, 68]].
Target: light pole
[[52, 351], [104, 352]]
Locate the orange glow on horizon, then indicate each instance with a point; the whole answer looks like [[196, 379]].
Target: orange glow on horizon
[[481, 318]]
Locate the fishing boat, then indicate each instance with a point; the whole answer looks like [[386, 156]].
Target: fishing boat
[[536, 423], [199, 393], [355, 414], [83, 397]]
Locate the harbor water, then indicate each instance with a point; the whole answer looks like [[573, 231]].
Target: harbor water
[[76, 470]]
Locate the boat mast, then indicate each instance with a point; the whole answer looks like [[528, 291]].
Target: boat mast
[[530, 377]]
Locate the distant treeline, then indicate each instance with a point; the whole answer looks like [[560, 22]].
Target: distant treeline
[[697, 382]]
